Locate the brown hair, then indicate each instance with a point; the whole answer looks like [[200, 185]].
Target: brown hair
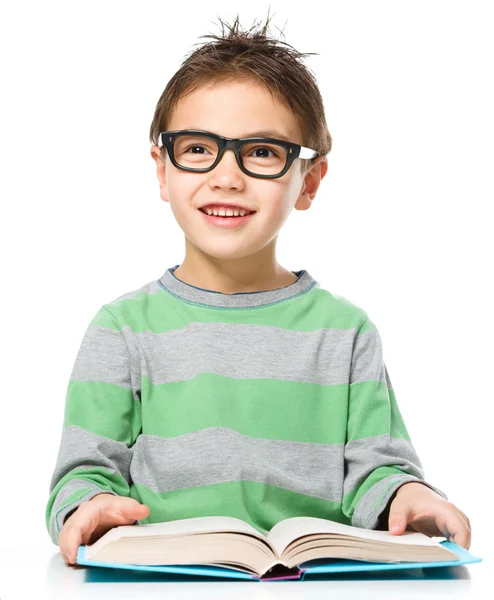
[[251, 55]]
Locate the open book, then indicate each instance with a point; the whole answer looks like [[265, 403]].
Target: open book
[[234, 544]]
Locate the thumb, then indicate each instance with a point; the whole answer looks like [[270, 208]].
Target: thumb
[[397, 521], [132, 509]]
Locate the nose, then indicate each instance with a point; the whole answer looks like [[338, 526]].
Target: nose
[[229, 158], [227, 172]]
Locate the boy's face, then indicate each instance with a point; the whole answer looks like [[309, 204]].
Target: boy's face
[[235, 109]]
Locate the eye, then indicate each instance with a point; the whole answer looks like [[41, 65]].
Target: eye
[[263, 149], [195, 147]]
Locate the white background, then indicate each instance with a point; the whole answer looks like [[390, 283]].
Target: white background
[[400, 226]]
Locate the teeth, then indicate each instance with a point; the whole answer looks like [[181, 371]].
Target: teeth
[[229, 212]]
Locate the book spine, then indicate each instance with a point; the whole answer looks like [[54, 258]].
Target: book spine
[[294, 573]]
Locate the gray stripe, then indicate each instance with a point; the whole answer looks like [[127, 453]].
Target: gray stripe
[[247, 351], [218, 455], [135, 360], [367, 359], [365, 455], [79, 447], [170, 283], [243, 351], [103, 356]]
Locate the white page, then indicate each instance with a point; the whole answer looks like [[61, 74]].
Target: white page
[[286, 531], [180, 526]]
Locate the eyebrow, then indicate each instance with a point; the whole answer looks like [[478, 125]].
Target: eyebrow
[[263, 133], [268, 133]]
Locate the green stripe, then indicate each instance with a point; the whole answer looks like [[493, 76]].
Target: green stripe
[[371, 404], [104, 318], [271, 409], [162, 312], [398, 428], [262, 408], [118, 413], [261, 505], [251, 407], [368, 325]]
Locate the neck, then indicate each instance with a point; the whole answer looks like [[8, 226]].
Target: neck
[[252, 273]]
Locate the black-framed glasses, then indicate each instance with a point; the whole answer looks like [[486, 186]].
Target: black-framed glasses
[[200, 151]]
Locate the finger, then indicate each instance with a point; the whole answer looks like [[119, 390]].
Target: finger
[[453, 526], [426, 526], [124, 511], [112, 512], [64, 544], [464, 536], [79, 530], [67, 546], [73, 541], [467, 520], [62, 539], [399, 517], [438, 527], [133, 509]]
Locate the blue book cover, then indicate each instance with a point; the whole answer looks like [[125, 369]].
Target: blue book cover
[[313, 567]]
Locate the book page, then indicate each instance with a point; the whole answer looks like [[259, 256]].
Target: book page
[[284, 532], [178, 527]]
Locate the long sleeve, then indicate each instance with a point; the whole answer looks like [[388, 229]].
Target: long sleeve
[[379, 456], [102, 420]]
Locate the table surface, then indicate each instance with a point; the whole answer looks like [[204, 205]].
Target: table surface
[[41, 573]]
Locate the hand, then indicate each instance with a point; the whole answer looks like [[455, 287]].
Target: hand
[[94, 518], [418, 508]]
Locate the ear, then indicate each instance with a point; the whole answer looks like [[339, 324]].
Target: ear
[[312, 180], [160, 170]]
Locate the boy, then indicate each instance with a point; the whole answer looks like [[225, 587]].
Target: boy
[[231, 385]]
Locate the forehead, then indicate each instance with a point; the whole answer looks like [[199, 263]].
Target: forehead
[[235, 109]]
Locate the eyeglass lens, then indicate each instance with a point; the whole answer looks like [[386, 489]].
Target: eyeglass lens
[[200, 152]]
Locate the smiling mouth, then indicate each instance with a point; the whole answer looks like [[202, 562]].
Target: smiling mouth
[[228, 216]]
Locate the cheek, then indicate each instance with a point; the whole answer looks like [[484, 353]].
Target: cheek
[[276, 204], [270, 195], [182, 191]]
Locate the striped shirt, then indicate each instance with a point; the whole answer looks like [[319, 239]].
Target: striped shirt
[[257, 405]]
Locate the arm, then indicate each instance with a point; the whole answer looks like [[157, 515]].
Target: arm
[[101, 423], [379, 455]]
